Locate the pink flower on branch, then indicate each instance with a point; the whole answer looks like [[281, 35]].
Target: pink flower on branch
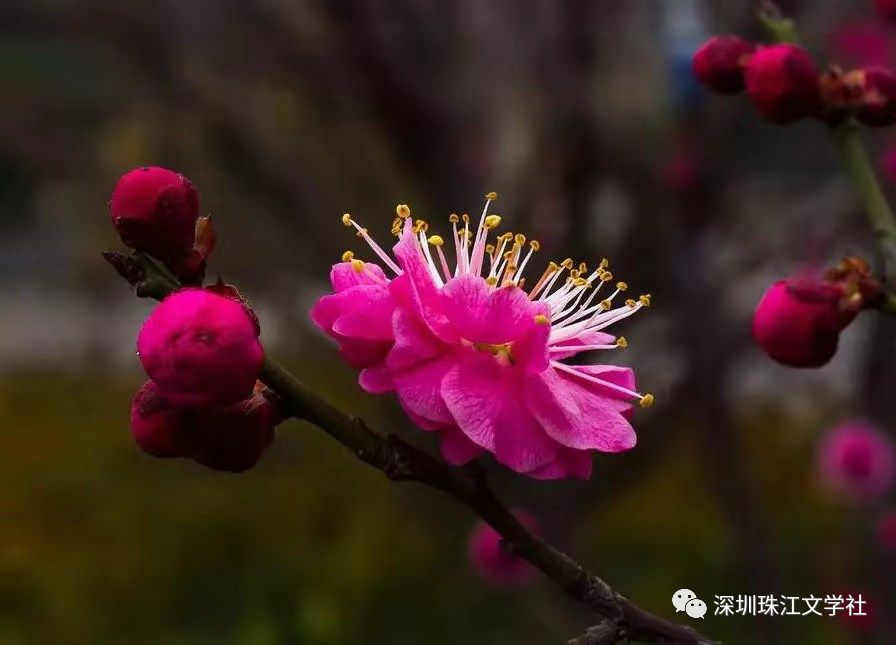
[[477, 355]]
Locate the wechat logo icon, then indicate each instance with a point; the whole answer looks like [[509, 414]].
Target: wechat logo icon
[[686, 600]]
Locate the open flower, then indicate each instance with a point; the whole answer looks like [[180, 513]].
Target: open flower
[[477, 354]]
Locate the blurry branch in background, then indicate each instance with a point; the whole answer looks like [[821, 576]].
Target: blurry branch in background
[[400, 461]]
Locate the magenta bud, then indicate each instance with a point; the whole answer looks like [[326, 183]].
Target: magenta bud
[[492, 560], [201, 349], [877, 106], [782, 83], [719, 63], [798, 323], [857, 461], [156, 426], [233, 438], [155, 210]]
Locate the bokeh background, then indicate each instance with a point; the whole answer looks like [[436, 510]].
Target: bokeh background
[[584, 116]]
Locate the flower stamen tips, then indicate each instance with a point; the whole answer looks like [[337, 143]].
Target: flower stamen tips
[[541, 319], [403, 211], [646, 401]]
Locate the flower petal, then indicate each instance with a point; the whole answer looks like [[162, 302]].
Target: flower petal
[[484, 399], [456, 448], [579, 414], [569, 464], [482, 314], [376, 380], [344, 275], [419, 389]]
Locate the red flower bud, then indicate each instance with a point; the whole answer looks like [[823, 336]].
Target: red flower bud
[[782, 83], [156, 426], [155, 210], [201, 349], [719, 63], [233, 438], [798, 323], [877, 107]]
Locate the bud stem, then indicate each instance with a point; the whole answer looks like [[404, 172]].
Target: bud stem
[[852, 152]]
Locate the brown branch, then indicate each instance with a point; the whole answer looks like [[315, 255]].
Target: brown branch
[[400, 461]]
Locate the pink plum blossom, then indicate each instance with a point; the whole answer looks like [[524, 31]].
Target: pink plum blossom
[[479, 358], [201, 349], [493, 562], [857, 461]]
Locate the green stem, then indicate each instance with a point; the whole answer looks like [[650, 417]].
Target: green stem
[[864, 181]]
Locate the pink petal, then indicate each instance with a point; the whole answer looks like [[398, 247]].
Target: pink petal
[[363, 353], [587, 338], [484, 399], [419, 285], [376, 380], [344, 275], [419, 389], [579, 414], [370, 315], [456, 448], [414, 342], [482, 314]]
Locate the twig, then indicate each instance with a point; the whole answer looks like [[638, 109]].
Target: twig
[[400, 461]]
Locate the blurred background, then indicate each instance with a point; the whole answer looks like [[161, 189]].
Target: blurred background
[[585, 117]]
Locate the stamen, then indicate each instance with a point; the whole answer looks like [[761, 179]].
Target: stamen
[[644, 400], [358, 266], [362, 233], [403, 211], [347, 256], [541, 319]]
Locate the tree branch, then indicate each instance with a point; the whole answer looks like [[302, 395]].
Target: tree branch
[[400, 461]]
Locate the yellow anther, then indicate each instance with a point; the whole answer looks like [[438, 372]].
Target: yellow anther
[[574, 274], [489, 248], [420, 225], [553, 266], [567, 263], [465, 217], [583, 268], [621, 342], [519, 238], [492, 280], [644, 299], [492, 196], [505, 237], [630, 303], [347, 256], [358, 265], [347, 219], [646, 401], [453, 218], [622, 286], [604, 263], [403, 211], [492, 221], [535, 244], [581, 282], [606, 276], [508, 255], [541, 319], [436, 240], [606, 305]]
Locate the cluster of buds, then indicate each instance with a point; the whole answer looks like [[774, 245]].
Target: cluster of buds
[[799, 320], [785, 85], [200, 347]]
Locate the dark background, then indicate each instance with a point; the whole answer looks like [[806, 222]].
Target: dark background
[[583, 115]]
